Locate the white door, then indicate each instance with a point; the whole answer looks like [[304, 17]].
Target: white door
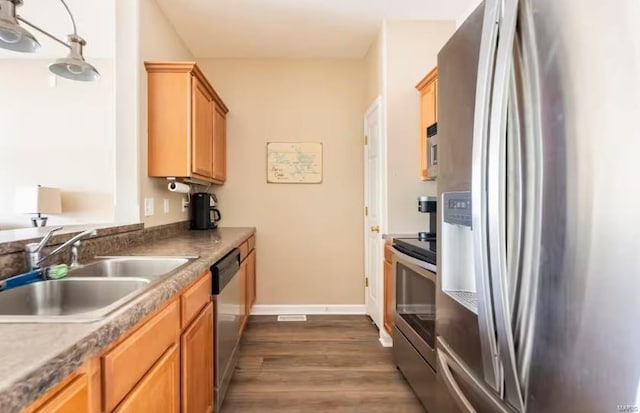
[[373, 208]]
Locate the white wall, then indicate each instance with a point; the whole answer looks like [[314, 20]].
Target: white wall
[[410, 52], [60, 136], [143, 34], [467, 13], [158, 41]]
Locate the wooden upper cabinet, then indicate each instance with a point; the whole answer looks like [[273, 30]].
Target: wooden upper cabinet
[[187, 123], [219, 144], [203, 142], [428, 88]]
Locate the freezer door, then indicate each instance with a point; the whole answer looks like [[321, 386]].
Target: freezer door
[[468, 393], [585, 345]]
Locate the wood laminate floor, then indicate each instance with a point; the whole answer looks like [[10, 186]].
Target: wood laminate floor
[[326, 364]]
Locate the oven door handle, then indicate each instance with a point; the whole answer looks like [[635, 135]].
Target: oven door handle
[[418, 263]]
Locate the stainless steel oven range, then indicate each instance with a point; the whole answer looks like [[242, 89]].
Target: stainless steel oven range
[[414, 339]]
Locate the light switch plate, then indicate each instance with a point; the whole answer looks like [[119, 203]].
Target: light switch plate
[[148, 207], [166, 206]]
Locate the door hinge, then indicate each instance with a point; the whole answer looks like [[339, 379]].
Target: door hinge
[[366, 281], [366, 211], [366, 140]]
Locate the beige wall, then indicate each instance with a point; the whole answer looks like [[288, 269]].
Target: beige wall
[[60, 136], [411, 49], [309, 240], [158, 41]]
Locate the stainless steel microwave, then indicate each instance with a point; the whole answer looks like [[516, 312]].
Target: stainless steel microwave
[[432, 151]]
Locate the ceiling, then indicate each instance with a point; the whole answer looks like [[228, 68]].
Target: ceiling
[[295, 28], [95, 20]]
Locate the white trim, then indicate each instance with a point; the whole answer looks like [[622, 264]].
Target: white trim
[[376, 105], [385, 339], [336, 309]]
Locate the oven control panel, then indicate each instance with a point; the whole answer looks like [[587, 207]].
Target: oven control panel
[[456, 208]]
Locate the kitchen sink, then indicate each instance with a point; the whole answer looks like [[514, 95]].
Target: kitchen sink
[[68, 299], [130, 266], [88, 293]]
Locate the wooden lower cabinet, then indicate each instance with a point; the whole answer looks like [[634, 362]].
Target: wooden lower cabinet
[[159, 390], [78, 393], [165, 364], [389, 289], [73, 398], [127, 362], [251, 281], [243, 295], [197, 364], [247, 285]]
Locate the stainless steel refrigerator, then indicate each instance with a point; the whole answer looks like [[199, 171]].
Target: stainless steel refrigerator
[[538, 304]]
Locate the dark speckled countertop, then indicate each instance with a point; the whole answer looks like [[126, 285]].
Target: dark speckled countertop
[[35, 357]]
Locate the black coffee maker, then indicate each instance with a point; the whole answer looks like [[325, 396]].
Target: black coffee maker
[[204, 213], [428, 204]]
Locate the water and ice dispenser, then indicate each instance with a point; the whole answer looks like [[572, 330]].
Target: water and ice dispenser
[[457, 269]]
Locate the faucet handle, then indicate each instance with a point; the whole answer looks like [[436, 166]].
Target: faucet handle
[[44, 241]]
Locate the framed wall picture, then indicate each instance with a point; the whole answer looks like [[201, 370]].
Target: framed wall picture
[[294, 162]]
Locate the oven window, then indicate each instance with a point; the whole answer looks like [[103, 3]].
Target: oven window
[[416, 302]]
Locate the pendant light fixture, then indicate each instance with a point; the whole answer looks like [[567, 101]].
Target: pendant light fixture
[[17, 38]]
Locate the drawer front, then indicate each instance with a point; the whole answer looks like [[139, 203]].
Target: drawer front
[[419, 374], [251, 243], [74, 398], [128, 362], [159, 390], [387, 251], [244, 250], [195, 298]]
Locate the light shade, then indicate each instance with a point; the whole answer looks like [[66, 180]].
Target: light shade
[[74, 66], [38, 200], [12, 35]]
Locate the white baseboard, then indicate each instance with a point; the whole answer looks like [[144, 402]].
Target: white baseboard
[[385, 339], [337, 309]]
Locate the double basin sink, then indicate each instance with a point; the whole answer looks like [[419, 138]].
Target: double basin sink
[[88, 293]]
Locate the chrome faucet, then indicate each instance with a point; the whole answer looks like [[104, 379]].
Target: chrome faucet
[[33, 250]]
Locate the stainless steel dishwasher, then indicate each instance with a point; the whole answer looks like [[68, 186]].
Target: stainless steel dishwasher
[[227, 317]]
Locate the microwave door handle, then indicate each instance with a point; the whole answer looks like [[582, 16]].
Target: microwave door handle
[[488, 45], [496, 192]]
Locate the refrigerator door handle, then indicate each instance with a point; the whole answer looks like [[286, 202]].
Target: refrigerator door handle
[[496, 205], [453, 386], [488, 45]]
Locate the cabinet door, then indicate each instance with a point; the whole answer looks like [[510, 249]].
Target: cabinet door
[[197, 364], [159, 389], [427, 118], [202, 124], [389, 287], [219, 145], [251, 281], [243, 294]]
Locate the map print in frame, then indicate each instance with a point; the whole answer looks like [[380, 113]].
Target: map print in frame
[[294, 162]]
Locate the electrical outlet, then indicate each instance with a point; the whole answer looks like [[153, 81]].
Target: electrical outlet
[[148, 207], [185, 204], [166, 206]]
